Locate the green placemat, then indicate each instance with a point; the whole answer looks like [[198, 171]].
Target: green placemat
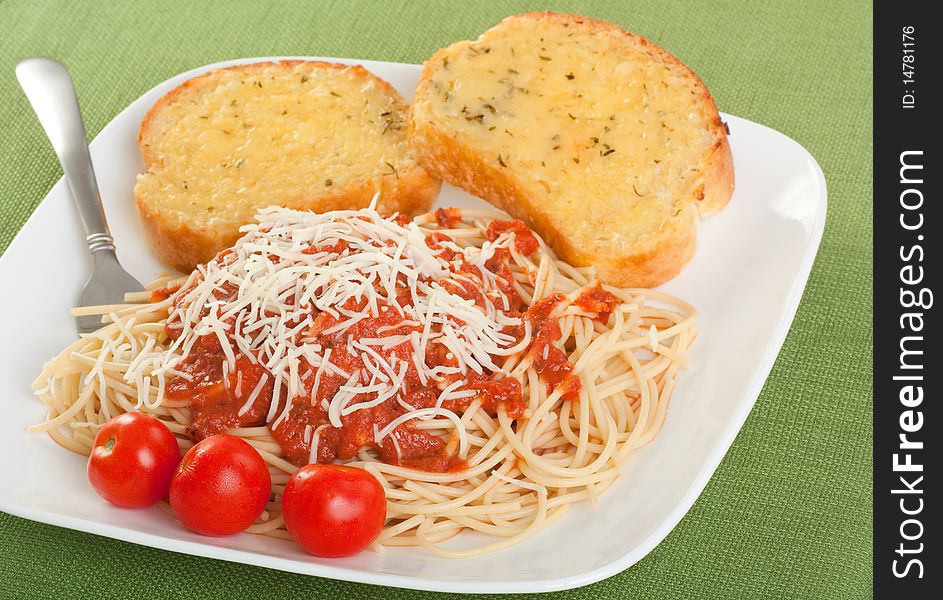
[[788, 513]]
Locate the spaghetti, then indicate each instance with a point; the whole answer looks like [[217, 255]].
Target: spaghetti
[[486, 384]]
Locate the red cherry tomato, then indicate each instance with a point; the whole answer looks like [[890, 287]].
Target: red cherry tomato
[[221, 486], [333, 510], [133, 460]]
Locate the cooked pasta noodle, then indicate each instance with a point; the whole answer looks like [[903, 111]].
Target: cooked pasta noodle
[[519, 473]]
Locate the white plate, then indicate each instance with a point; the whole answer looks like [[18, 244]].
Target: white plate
[[751, 267]]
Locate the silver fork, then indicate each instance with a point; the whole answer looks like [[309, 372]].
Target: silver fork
[[49, 89]]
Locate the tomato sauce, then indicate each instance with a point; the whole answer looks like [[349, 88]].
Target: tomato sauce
[[215, 399], [337, 248], [217, 394], [161, 294], [448, 217], [524, 240], [599, 301], [550, 362]]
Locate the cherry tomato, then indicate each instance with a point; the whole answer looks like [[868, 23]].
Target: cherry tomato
[[221, 486], [133, 460], [333, 510]]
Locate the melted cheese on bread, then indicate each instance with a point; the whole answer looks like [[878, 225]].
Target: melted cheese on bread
[[299, 134], [598, 137]]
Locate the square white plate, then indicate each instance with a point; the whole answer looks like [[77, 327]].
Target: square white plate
[[747, 277]]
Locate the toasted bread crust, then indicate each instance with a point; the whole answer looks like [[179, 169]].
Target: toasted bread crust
[[718, 179], [180, 245], [658, 256], [181, 241]]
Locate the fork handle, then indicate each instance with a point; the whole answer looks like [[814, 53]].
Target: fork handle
[[50, 91]]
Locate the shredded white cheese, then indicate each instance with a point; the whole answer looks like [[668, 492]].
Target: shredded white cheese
[[266, 298]]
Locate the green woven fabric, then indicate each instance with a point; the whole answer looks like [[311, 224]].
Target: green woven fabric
[[788, 513]]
